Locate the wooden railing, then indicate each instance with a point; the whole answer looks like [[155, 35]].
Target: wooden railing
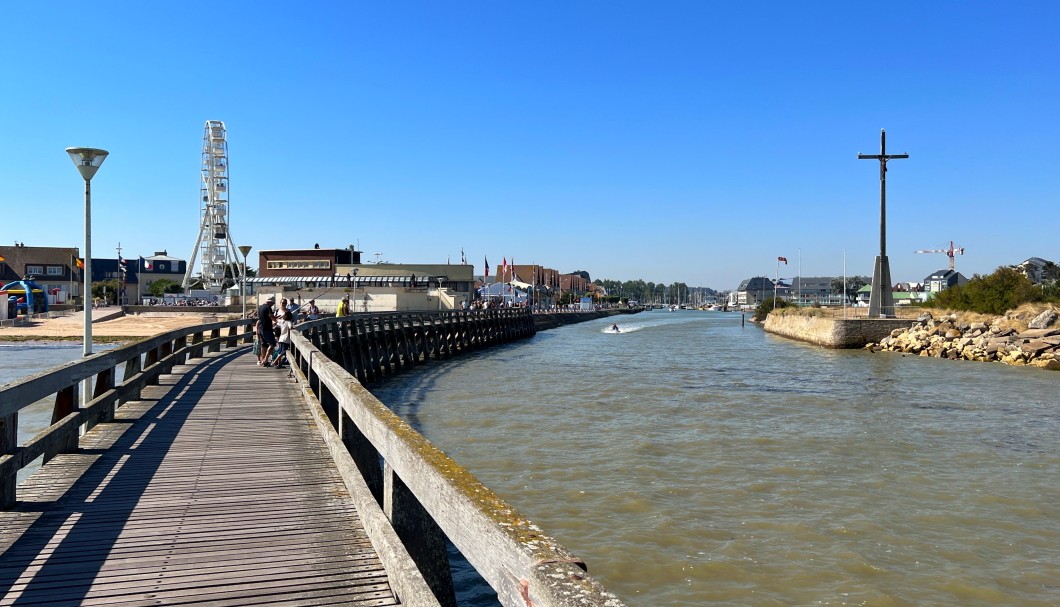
[[140, 364], [411, 496], [422, 495]]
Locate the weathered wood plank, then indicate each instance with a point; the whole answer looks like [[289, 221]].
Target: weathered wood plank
[[214, 488]]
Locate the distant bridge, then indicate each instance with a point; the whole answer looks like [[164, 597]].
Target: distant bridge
[[194, 476]]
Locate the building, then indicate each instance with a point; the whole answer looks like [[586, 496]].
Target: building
[[160, 266], [328, 275], [815, 291], [754, 291], [1038, 270], [53, 268], [941, 280]]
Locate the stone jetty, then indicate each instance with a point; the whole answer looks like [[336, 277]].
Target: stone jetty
[[996, 341]]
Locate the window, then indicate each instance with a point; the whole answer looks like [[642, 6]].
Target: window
[[34, 269], [55, 270], [300, 264]]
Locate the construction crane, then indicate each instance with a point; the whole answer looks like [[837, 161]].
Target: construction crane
[[949, 252]]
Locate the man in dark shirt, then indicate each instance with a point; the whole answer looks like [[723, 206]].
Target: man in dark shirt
[[265, 335]]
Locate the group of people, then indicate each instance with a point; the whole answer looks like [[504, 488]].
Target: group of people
[[273, 329]]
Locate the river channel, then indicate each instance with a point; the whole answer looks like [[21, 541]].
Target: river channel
[[691, 460]]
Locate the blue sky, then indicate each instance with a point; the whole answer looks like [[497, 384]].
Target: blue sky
[[669, 141]]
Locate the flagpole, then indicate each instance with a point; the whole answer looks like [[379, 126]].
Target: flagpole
[[775, 285], [844, 283]]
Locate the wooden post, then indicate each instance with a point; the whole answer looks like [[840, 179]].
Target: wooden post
[[132, 369], [420, 535], [8, 445], [65, 404], [104, 382], [364, 454]]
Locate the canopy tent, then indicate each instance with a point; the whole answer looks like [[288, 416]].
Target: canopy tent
[[506, 290]]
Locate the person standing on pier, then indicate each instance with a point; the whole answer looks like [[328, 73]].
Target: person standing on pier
[[266, 337]]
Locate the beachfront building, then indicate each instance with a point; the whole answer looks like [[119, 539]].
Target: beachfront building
[[149, 270], [815, 291], [53, 268], [755, 290], [328, 275], [942, 280]]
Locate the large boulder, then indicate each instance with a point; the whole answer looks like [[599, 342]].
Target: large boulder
[[1043, 320]]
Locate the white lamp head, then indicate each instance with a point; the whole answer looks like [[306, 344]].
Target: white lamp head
[[87, 160]]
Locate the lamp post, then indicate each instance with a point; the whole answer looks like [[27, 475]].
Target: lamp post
[[245, 250], [353, 299], [87, 161]]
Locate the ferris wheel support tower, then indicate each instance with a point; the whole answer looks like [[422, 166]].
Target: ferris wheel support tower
[[214, 242]]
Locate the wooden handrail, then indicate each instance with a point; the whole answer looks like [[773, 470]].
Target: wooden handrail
[[143, 362], [422, 488]]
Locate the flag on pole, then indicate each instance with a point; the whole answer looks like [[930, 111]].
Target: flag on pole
[[784, 259], [80, 262], [504, 268], [122, 267], [487, 275], [1, 258], [147, 264]]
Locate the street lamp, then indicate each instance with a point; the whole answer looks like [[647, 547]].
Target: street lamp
[[353, 300], [245, 250], [87, 161]]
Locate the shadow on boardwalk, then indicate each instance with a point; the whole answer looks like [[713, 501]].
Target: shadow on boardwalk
[[214, 488]]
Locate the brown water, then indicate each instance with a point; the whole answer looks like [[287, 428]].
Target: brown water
[[692, 461]]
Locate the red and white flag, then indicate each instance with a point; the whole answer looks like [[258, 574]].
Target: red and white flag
[[504, 268], [784, 259]]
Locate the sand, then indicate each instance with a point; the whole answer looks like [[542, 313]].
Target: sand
[[123, 328]]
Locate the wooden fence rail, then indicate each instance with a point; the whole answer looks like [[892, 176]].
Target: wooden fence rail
[[427, 496], [410, 494], [140, 364]]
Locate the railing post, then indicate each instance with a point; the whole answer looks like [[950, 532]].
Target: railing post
[[8, 444], [180, 344], [104, 382], [420, 535], [215, 346], [132, 369], [65, 404]]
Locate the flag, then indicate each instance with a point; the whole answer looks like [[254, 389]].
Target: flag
[[122, 267], [784, 259], [147, 264], [80, 262], [1, 258], [504, 267], [487, 275]]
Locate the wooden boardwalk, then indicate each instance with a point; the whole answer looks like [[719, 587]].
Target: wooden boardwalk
[[214, 489]]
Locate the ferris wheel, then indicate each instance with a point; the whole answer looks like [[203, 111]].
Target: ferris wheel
[[214, 243]]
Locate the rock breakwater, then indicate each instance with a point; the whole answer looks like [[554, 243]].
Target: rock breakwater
[[996, 341]]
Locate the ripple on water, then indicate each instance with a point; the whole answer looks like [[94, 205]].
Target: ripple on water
[[703, 462]]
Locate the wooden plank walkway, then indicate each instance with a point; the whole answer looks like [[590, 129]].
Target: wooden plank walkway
[[214, 489]]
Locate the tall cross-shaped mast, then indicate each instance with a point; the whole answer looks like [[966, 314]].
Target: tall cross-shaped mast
[[881, 301]]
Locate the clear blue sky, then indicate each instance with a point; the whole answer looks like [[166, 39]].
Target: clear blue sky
[[670, 141]]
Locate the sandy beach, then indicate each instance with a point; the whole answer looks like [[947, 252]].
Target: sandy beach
[[121, 328]]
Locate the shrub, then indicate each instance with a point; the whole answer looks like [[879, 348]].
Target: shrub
[[768, 306], [1003, 290]]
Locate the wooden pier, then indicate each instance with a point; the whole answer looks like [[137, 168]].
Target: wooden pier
[[193, 476]]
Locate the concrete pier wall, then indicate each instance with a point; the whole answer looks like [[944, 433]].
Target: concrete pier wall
[[833, 332]]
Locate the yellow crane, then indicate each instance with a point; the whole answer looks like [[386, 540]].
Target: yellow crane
[[949, 252]]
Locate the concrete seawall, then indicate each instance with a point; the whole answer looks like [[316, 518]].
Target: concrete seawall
[[552, 321], [833, 332]]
